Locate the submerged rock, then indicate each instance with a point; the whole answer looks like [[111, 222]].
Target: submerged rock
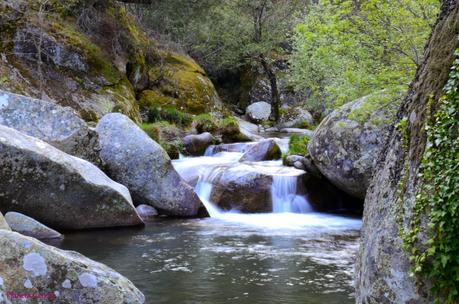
[[259, 111], [146, 212], [196, 145], [138, 162], [59, 126], [347, 143], [57, 189], [28, 266], [28, 226], [3, 223], [263, 150]]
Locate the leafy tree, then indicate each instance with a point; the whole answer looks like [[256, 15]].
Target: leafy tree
[[351, 48], [229, 34]]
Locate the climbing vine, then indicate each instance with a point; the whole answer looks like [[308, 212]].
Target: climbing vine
[[437, 203]]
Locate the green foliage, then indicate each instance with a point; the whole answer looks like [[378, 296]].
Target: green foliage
[[298, 145], [172, 115], [387, 101], [205, 123], [167, 135], [439, 199], [344, 51]]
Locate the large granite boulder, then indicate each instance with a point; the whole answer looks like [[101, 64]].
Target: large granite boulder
[[59, 190], [29, 267], [28, 226], [347, 143], [135, 160], [59, 126], [258, 112], [263, 150], [3, 223], [196, 145], [296, 117], [248, 187]]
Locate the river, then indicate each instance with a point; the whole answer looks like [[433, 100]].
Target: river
[[280, 257]]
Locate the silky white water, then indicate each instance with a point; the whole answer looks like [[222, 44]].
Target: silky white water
[[291, 211]]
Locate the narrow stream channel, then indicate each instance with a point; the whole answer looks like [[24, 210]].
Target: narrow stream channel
[[293, 255]]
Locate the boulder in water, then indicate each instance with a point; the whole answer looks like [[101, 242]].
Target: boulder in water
[[248, 187], [347, 143], [135, 160], [236, 147], [196, 145], [30, 267], [263, 150], [59, 126], [59, 190], [146, 212], [28, 226], [259, 111], [3, 223]]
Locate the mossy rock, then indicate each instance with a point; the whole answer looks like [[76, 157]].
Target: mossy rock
[[179, 81], [167, 136]]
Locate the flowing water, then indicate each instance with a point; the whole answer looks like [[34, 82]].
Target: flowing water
[[292, 255]]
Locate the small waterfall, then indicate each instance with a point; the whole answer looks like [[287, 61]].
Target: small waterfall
[[285, 198], [204, 190]]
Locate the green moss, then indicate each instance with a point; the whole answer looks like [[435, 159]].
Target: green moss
[[298, 145], [205, 123], [181, 82], [167, 135], [387, 100], [229, 129], [171, 115], [99, 62]]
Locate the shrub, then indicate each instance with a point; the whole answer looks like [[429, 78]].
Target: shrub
[[205, 123], [298, 145], [172, 115]]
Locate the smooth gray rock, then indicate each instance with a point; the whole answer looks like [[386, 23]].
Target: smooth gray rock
[[28, 266], [57, 189], [59, 126], [146, 212], [259, 111], [302, 163], [306, 132], [263, 150], [236, 147], [249, 129], [28, 226], [295, 117], [345, 148], [196, 145], [137, 161], [3, 223]]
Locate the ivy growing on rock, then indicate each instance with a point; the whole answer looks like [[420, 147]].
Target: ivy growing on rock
[[437, 203]]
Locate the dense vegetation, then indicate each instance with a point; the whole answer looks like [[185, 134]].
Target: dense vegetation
[[337, 51]]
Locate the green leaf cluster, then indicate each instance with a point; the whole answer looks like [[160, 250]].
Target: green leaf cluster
[[347, 49]]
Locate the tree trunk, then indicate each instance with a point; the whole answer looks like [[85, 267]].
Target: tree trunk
[[275, 96]]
